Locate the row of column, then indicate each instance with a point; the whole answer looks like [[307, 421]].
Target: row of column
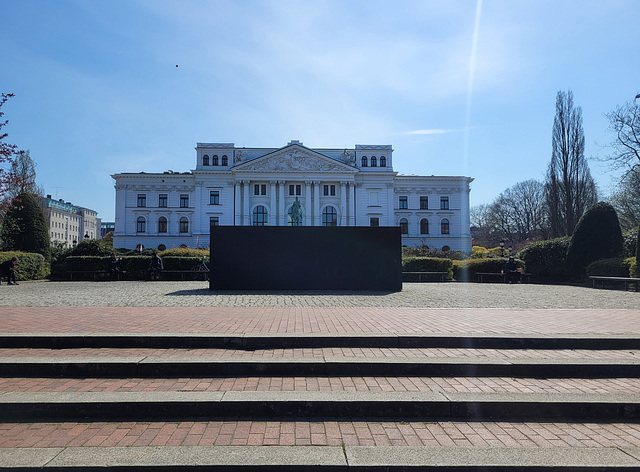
[[310, 201]]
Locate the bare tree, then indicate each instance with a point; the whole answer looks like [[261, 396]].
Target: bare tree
[[6, 150], [23, 174], [624, 122], [570, 189], [626, 201]]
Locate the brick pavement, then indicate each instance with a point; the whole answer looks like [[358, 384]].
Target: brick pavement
[[323, 433], [291, 320]]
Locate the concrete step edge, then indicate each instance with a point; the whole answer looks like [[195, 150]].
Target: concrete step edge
[[432, 406], [170, 367], [299, 340], [318, 458]]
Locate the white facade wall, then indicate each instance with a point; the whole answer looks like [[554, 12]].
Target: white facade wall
[[268, 181]]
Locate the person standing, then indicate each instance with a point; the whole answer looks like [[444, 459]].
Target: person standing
[[8, 270], [155, 267]]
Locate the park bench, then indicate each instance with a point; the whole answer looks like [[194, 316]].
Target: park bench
[[430, 276], [95, 274], [481, 276], [625, 280], [194, 274]]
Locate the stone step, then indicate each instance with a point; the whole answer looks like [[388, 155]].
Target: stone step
[[168, 367], [423, 406], [324, 384], [254, 341], [328, 458]]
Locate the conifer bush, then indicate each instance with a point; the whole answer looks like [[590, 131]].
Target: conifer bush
[[25, 228], [597, 236]]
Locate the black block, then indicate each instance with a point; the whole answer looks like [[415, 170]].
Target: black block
[[306, 258]]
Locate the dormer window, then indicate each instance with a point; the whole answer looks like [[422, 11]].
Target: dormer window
[[364, 161]]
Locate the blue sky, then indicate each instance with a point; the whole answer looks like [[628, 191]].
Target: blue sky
[[457, 87]]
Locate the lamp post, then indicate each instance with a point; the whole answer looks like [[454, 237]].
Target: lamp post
[[502, 248], [510, 248]]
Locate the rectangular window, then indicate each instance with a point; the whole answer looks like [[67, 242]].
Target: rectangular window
[[214, 221], [256, 189], [424, 203], [374, 222], [214, 197], [295, 190], [326, 190], [162, 200], [184, 200], [330, 190], [263, 189], [444, 203], [403, 203], [142, 200], [333, 190]]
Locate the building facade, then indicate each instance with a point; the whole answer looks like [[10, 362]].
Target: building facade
[[69, 224], [260, 186]]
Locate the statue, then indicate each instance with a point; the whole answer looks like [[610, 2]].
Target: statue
[[296, 213]]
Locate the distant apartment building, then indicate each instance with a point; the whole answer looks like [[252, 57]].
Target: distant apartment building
[[107, 227], [69, 224]]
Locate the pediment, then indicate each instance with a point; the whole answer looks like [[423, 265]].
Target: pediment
[[294, 158]]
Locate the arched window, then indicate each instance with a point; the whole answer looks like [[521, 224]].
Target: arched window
[[141, 225], [444, 226], [205, 160], [162, 247], [215, 160], [162, 225], [329, 217], [404, 226], [383, 161], [424, 226], [446, 249], [260, 216], [225, 161], [374, 162], [184, 224], [364, 161]]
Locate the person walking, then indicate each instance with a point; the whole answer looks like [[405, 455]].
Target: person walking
[[155, 267]]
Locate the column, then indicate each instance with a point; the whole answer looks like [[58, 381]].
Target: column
[[237, 204], [391, 197], [316, 204], [282, 216], [272, 211], [246, 216], [307, 203], [352, 204], [344, 220]]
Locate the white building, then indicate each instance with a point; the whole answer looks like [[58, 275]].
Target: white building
[[258, 186], [69, 224]]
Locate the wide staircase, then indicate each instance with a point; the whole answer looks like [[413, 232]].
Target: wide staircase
[[318, 402]]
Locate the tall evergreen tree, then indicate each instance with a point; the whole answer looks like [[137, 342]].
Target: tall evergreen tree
[[569, 188], [25, 227]]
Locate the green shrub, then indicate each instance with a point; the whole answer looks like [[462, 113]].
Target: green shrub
[[428, 264], [546, 260], [181, 263], [24, 227], [612, 267], [633, 267], [465, 271], [33, 266], [597, 236], [424, 251], [92, 247], [184, 252]]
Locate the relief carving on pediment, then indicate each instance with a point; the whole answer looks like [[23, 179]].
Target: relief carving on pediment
[[293, 161]]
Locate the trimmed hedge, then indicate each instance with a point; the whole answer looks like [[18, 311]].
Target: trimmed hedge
[[465, 271], [612, 267], [546, 260], [428, 264], [184, 252], [32, 265], [136, 267], [597, 236]]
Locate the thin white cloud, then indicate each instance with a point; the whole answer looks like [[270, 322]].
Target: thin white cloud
[[432, 131]]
